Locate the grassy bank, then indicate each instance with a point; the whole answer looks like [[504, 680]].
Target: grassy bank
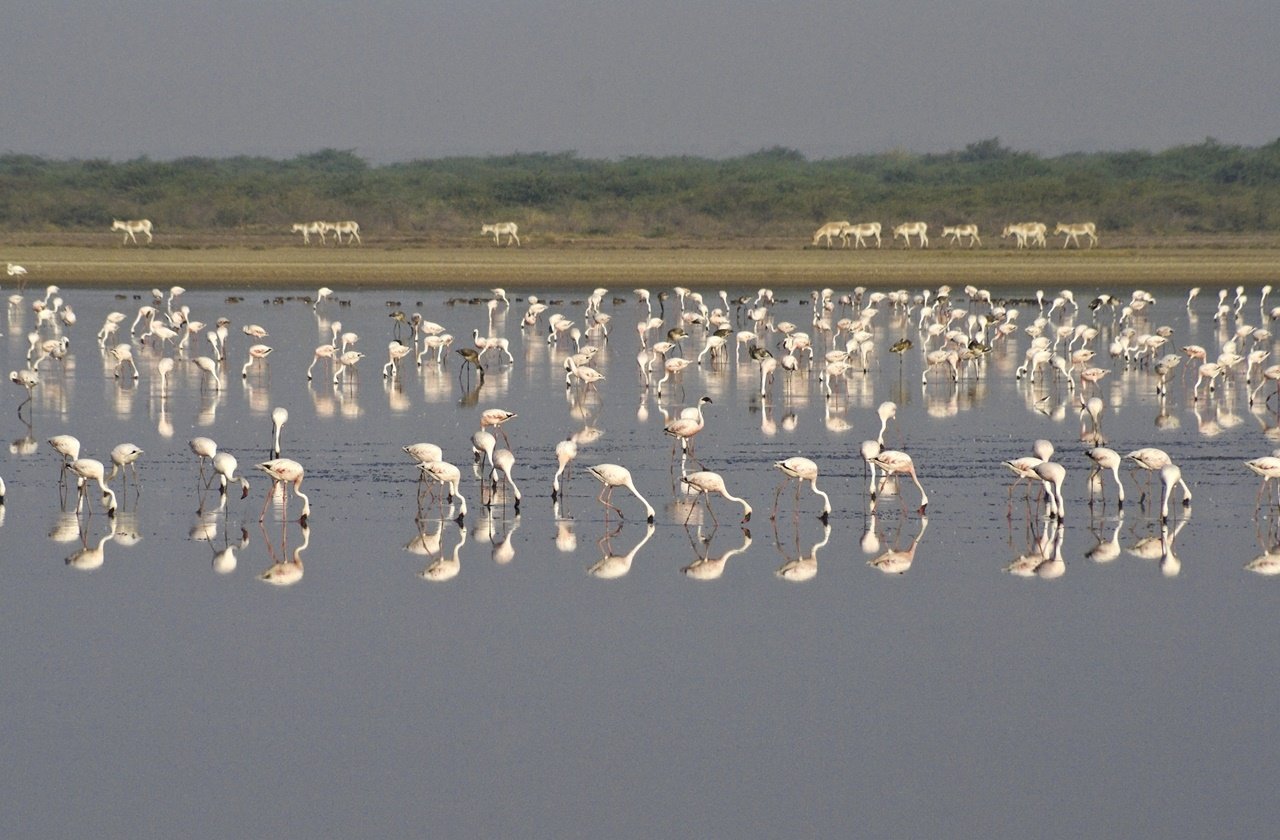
[[623, 265]]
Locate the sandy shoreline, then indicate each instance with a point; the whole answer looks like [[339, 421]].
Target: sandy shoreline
[[622, 267]]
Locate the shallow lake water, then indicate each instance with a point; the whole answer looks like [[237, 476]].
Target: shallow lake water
[[560, 672]]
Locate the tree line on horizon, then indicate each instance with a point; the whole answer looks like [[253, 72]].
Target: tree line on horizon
[[1208, 187]]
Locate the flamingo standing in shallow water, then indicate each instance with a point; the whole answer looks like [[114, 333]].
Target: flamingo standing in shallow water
[[210, 367], [611, 476], [503, 461], [446, 473], [802, 470], [496, 417], [224, 465], [1171, 475], [256, 352], [279, 416], [566, 451], [705, 482], [1268, 467], [1105, 459], [892, 462], [285, 471], [88, 470], [124, 456], [1052, 474]]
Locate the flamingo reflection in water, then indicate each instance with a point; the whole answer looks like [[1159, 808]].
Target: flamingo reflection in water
[[1044, 559], [709, 567], [91, 556], [800, 567], [442, 568], [1160, 548], [896, 561], [613, 565], [286, 572]]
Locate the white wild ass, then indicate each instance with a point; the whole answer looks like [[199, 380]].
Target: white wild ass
[[131, 227]]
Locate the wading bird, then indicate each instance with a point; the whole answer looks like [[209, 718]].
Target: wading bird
[[611, 476], [283, 472], [705, 482], [802, 470]]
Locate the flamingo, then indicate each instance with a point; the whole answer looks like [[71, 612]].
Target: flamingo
[[1171, 476], [69, 448], [324, 351], [396, 350], [28, 379], [1268, 466], [1152, 459], [1105, 459], [210, 367], [705, 482], [612, 476], [204, 449], [89, 469], [802, 470], [285, 471], [888, 410], [892, 462], [566, 451], [322, 294], [224, 465], [1052, 474], [503, 461], [685, 428], [1024, 467], [256, 352], [483, 445], [348, 359], [164, 367], [423, 453], [124, 456], [446, 473], [495, 417]]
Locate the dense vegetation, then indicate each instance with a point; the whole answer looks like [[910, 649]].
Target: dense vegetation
[[1209, 187]]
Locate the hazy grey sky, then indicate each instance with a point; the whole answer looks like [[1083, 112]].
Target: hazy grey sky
[[403, 80]]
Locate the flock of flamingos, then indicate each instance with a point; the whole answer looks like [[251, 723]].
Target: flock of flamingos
[[678, 331]]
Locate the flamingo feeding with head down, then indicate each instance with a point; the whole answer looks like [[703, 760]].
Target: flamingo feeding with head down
[[802, 470], [283, 472], [612, 476], [705, 482]]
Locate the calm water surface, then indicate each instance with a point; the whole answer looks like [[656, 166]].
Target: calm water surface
[[154, 686]]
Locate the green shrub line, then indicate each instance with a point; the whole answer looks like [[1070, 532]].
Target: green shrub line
[[1208, 187]]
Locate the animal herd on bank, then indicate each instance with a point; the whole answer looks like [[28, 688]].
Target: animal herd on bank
[[957, 332], [1025, 234]]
